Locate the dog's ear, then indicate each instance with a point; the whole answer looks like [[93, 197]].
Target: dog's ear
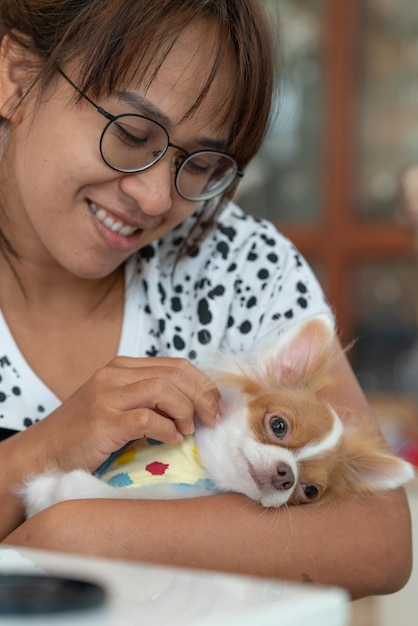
[[302, 355], [368, 466]]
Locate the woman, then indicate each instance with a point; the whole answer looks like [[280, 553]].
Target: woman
[[126, 127]]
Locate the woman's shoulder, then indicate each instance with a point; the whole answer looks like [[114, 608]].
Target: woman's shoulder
[[250, 249], [242, 228], [239, 237]]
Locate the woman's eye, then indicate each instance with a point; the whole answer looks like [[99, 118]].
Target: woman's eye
[[278, 426], [310, 491], [198, 167], [130, 137]]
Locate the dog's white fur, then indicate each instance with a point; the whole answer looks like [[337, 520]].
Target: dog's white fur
[[318, 457]]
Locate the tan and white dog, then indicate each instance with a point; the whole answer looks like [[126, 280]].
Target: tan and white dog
[[278, 442]]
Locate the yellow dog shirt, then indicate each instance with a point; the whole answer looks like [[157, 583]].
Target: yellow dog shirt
[[149, 462]]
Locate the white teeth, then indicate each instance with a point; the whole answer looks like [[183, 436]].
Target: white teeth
[[126, 230], [116, 227], [101, 214]]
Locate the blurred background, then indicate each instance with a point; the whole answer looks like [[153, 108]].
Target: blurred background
[[338, 174]]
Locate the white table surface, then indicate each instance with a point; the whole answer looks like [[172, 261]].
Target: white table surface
[[148, 595]]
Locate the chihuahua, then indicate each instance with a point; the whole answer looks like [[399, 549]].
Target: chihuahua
[[278, 442]]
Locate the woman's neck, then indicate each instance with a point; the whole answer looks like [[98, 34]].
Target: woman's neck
[[35, 287], [65, 328]]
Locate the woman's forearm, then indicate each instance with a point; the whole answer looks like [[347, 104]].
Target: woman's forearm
[[11, 514], [363, 546], [15, 465]]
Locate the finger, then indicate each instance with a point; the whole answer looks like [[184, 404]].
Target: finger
[[145, 422], [162, 397], [194, 383], [201, 390]]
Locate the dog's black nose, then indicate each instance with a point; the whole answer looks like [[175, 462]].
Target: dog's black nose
[[284, 478]]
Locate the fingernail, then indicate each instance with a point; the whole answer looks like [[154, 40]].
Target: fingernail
[[221, 406], [179, 437], [190, 430], [218, 418]]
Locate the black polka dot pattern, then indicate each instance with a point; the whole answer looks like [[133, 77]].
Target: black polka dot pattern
[[241, 283], [244, 282]]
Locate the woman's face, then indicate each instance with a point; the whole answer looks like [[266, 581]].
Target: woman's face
[[66, 206]]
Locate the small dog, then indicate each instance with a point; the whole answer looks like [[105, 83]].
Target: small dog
[[278, 441]]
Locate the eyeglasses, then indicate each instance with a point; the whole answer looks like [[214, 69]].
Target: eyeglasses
[[133, 143]]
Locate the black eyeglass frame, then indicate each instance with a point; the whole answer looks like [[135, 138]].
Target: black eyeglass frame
[[186, 156]]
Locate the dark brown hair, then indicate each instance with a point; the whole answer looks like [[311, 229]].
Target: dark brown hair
[[113, 40]]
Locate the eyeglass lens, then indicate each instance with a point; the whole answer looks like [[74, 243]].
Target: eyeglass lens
[[132, 143]]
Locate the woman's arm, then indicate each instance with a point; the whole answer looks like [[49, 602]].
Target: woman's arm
[[362, 545], [125, 400], [13, 467]]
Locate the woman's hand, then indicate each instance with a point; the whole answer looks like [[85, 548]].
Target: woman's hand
[[128, 399]]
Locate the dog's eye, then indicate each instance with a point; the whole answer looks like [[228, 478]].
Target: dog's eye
[[278, 426], [310, 491]]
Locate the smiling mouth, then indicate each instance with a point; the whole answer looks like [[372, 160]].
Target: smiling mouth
[[114, 225]]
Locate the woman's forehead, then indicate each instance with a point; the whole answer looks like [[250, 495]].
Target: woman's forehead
[[191, 81]]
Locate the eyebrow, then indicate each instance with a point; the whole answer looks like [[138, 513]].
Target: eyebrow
[[147, 108], [144, 107]]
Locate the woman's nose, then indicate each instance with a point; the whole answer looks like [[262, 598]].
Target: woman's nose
[[152, 189]]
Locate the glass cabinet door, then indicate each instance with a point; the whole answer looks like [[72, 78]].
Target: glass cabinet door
[[387, 103], [386, 350], [284, 181], [385, 289]]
